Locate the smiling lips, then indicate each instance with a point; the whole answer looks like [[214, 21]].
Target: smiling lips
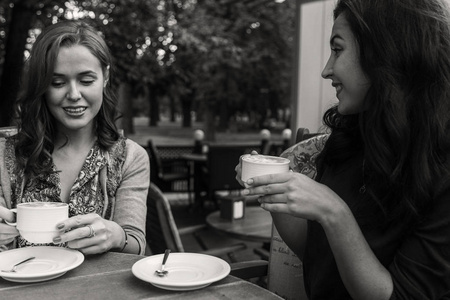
[[75, 111], [337, 86]]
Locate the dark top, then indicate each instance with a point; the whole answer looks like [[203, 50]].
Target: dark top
[[418, 257]]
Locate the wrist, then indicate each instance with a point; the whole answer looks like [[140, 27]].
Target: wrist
[[123, 242], [335, 215]]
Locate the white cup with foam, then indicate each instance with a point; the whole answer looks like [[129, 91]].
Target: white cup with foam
[[257, 165]]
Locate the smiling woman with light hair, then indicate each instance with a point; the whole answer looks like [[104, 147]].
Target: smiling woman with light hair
[[68, 148]]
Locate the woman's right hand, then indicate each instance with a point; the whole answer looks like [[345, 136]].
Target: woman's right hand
[[7, 232]]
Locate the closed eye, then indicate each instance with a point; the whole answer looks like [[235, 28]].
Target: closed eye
[[336, 50]]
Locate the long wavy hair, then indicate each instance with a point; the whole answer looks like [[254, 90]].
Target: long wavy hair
[[404, 133], [37, 125]]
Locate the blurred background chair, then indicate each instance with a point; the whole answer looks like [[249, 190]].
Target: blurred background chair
[[304, 134], [218, 178], [169, 173], [163, 233]]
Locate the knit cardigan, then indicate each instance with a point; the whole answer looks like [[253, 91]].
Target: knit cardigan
[[130, 209]]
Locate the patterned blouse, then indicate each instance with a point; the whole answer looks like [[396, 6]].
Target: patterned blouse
[[93, 191]]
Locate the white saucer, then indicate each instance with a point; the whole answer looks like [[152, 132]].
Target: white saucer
[[49, 263], [186, 271]]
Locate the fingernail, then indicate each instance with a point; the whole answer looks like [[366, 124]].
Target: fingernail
[[57, 240], [60, 226], [250, 181], [245, 192]]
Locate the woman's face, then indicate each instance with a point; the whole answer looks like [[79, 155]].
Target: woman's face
[[75, 95], [344, 69]]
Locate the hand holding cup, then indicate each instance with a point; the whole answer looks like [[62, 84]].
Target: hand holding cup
[[37, 221]]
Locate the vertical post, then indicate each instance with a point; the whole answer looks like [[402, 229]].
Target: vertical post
[[286, 134], [265, 141]]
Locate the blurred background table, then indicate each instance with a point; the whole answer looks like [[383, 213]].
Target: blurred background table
[[256, 226], [109, 276]]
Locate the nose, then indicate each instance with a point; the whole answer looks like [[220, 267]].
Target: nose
[[73, 94], [327, 70]]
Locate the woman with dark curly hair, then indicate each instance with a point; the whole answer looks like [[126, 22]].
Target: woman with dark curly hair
[[377, 214], [68, 148]]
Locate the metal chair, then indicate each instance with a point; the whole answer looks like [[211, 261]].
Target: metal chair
[[166, 175], [162, 232]]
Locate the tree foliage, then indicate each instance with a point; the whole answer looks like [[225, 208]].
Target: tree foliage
[[219, 59]]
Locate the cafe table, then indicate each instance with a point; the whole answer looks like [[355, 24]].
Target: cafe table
[[109, 276], [255, 226]]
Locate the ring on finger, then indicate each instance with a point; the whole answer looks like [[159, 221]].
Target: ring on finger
[[91, 231]]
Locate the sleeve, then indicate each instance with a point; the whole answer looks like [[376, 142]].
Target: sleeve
[[5, 186], [131, 196], [302, 156], [421, 268]]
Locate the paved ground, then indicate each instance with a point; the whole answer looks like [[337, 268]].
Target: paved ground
[[167, 133]]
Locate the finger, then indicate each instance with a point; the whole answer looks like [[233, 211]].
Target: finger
[[76, 222], [4, 240], [83, 243], [270, 178], [275, 207], [271, 199], [7, 214], [83, 232], [264, 190], [8, 230]]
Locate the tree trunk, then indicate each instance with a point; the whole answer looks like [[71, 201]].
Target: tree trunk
[[172, 109], [154, 106], [21, 18], [126, 109], [186, 105], [210, 129]]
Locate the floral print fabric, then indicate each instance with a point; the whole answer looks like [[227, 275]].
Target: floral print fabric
[[87, 195], [303, 155]]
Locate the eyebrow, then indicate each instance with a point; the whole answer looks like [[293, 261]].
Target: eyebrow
[[82, 73]]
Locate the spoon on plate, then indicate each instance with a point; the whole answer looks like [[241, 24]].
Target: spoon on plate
[[13, 269], [161, 272]]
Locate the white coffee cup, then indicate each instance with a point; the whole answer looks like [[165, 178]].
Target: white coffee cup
[[257, 165], [36, 221]]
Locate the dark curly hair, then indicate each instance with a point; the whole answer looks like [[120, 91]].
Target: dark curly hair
[[404, 132], [37, 126]]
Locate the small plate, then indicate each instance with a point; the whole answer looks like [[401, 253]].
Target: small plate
[[49, 263], [186, 271]]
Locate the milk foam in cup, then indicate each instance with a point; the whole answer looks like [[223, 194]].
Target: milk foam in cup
[[257, 165], [36, 221]]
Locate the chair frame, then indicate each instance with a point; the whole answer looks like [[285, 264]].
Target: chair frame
[[163, 233]]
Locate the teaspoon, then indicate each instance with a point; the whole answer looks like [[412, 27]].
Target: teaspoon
[[161, 272], [13, 270]]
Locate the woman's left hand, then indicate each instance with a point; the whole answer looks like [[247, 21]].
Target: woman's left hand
[[295, 194], [90, 234]]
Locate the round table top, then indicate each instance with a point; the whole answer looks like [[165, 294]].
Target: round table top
[[256, 225]]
